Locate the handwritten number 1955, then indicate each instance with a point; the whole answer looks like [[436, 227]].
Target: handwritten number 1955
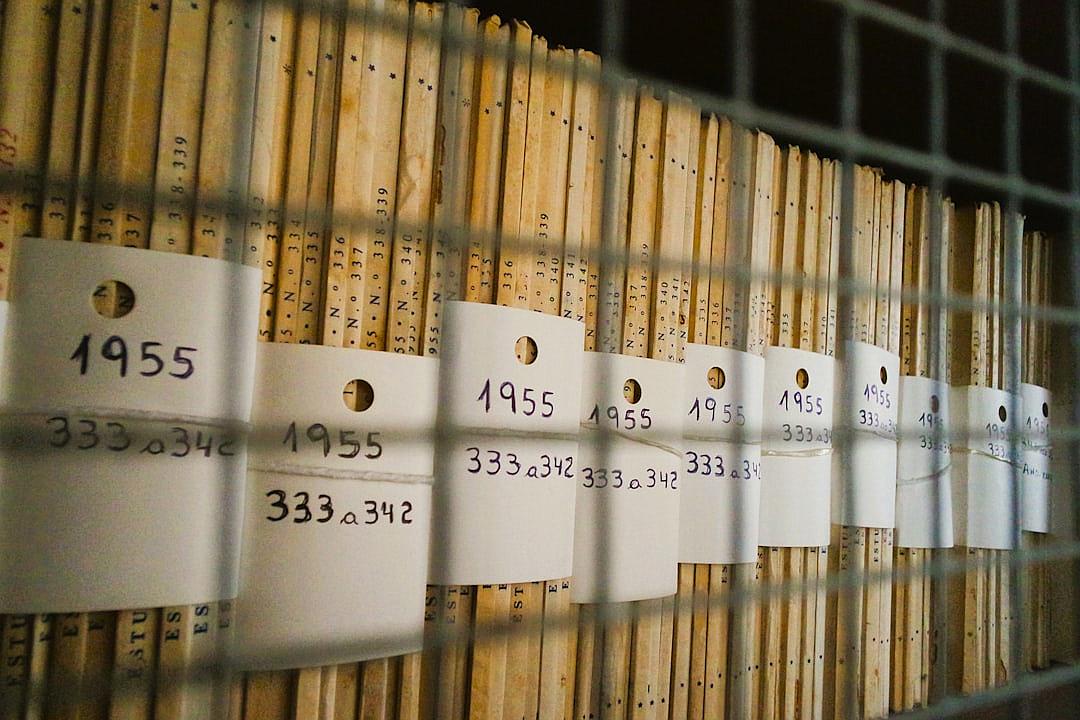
[[524, 399], [319, 435], [115, 349]]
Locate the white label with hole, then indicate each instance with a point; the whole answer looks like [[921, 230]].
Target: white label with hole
[[985, 460], [125, 377], [504, 490], [721, 483], [181, 347], [302, 422], [106, 513], [864, 488], [796, 456], [924, 514], [1035, 478], [626, 534], [338, 508]]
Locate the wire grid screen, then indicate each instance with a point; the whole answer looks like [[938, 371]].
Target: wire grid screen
[[481, 239]]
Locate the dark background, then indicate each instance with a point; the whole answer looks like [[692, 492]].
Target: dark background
[[797, 70]]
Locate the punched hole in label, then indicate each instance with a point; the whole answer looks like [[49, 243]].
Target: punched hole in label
[[1046, 410], [716, 378], [358, 395], [113, 299], [632, 391], [884, 375], [802, 378], [525, 349], [934, 403], [1001, 413]]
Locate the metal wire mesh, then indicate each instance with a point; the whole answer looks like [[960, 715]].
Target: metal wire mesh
[[852, 146]]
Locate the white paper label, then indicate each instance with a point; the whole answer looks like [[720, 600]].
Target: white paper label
[[924, 514], [1035, 478], [185, 350], [626, 535], [505, 470], [864, 488], [338, 508], [721, 483], [302, 424], [796, 458], [121, 478], [100, 513], [983, 472]]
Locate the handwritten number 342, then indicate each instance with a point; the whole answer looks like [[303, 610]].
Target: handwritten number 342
[[115, 349]]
